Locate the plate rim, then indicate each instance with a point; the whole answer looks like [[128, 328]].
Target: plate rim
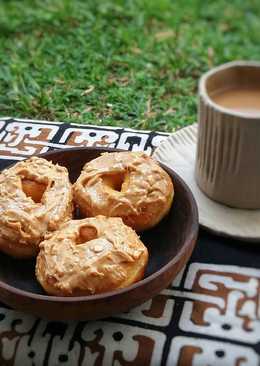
[[218, 232]]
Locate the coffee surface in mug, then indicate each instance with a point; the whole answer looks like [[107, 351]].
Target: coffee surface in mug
[[240, 99]]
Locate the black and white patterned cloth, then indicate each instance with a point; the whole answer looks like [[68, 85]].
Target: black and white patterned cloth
[[210, 314]]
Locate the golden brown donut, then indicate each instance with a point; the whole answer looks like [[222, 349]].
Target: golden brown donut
[[90, 256], [130, 185], [35, 197]]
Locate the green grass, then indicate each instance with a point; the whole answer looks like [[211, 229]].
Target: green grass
[[125, 63]]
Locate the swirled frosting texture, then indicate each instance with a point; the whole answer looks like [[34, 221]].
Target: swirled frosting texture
[[130, 185], [90, 256], [24, 222]]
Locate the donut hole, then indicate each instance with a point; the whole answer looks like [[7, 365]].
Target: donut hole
[[33, 189], [115, 181], [86, 233]]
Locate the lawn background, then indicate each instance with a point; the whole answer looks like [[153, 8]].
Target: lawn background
[[125, 63]]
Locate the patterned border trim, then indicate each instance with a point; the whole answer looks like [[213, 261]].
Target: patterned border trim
[[22, 138]]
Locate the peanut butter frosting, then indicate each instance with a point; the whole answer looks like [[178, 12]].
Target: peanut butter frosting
[[90, 256], [130, 185], [35, 197]]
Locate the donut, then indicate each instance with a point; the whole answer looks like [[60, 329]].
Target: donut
[[35, 197], [130, 185], [90, 256]]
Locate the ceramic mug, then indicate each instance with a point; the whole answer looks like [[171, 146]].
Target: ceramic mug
[[228, 150]]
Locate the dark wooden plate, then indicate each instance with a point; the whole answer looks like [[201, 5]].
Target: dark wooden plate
[[170, 245]]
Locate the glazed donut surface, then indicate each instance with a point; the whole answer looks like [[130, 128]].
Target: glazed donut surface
[[90, 256], [35, 197], [130, 185]]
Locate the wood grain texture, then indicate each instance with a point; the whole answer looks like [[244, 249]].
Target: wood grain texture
[[170, 245]]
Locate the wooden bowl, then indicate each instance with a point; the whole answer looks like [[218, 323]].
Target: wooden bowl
[[170, 245]]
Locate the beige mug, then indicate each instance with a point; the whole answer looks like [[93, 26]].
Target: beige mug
[[228, 150]]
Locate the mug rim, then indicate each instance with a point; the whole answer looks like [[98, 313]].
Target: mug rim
[[203, 93]]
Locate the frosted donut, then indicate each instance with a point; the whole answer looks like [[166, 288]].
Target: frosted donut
[[129, 185], [35, 197], [90, 256]]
